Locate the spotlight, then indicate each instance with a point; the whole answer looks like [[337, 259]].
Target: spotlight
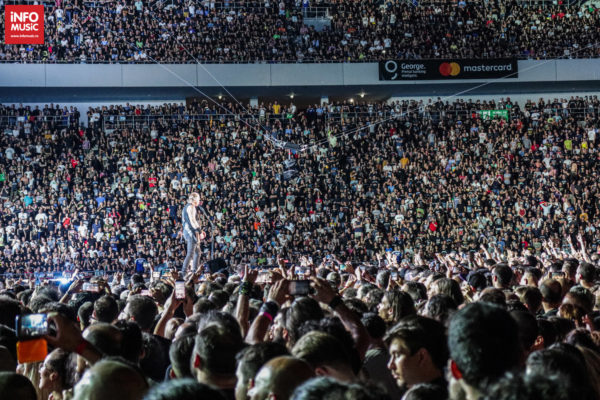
[[351, 100], [292, 96], [362, 95], [220, 97]]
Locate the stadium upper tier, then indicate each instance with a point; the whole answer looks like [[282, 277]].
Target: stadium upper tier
[[234, 32]]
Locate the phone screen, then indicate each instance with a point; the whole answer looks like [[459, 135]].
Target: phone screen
[[156, 274], [32, 325], [263, 277], [180, 290], [299, 288], [91, 287]]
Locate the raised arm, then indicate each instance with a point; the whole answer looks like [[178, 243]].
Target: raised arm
[[170, 307], [74, 288], [242, 309], [583, 251], [68, 337], [260, 325], [324, 293]]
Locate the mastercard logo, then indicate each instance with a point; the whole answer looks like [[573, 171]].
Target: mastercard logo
[[449, 69]]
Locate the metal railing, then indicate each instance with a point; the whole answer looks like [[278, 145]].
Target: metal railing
[[316, 12], [527, 3], [58, 121], [403, 113], [579, 113], [144, 122]]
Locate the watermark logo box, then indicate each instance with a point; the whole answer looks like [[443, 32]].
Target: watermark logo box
[[23, 24]]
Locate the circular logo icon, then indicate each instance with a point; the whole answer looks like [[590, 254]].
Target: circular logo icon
[[449, 69]]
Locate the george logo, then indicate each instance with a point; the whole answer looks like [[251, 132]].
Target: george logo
[[391, 67], [24, 24], [449, 69]]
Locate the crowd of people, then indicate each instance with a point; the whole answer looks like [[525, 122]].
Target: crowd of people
[[495, 326], [177, 31], [350, 179], [416, 249]]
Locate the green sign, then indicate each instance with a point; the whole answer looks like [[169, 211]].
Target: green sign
[[491, 114]]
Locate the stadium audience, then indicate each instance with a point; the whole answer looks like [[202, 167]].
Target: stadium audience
[[455, 253], [129, 31], [126, 211]]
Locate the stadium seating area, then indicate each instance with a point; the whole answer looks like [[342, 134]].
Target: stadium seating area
[[239, 32], [423, 177]]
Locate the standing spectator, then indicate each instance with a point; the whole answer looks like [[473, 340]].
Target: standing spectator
[[484, 344]]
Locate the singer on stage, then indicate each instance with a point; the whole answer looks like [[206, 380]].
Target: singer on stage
[[192, 232]]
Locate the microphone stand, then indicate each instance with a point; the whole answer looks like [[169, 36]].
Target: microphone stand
[[212, 235]]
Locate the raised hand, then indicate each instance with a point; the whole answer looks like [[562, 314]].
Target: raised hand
[[68, 336], [350, 282], [250, 275], [279, 291], [324, 293], [75, 286]]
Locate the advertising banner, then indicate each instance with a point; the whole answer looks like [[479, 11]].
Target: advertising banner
[[410, 70], [491, 114]]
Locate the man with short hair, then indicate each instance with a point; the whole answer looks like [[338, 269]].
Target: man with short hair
[[502, 276], [183, 389], [551, 296], [105, 309], [105, 337], [586, 275], [484, 343], [418, 352], [142, 310], [278, 378], [531, 297], [250, 360], [109, 379], [180, 354], [213, 359], [325, 354], [531, 277], [374, 365], [569, 269]]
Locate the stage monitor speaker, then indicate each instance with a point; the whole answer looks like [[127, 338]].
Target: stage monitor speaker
[[217, 265]]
